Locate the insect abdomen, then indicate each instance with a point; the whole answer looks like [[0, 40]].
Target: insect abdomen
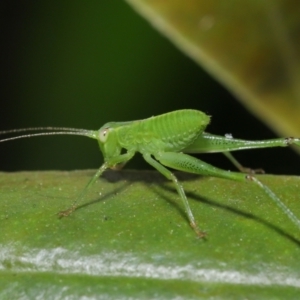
[[176, 129]]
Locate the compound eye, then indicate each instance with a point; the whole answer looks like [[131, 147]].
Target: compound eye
[[103, 134]]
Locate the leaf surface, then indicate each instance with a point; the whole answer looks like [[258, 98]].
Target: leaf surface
[[131, 238]]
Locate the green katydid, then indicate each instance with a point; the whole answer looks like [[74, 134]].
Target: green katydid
[[163, 141]]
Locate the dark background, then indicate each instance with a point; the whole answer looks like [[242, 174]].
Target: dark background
[[81, 64]]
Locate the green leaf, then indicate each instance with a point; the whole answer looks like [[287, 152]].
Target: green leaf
[[131, 238], [250, 46]]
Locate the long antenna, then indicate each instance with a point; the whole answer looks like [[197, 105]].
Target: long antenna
[[42, 128], [82, 132]]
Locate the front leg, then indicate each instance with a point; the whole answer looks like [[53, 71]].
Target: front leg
[[110, 163]]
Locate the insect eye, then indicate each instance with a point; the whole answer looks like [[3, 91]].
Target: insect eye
[[103, 134]]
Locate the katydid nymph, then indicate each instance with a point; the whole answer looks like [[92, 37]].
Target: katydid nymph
[[163, 141]]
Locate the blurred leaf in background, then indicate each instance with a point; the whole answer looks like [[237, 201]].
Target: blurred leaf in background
[[251, 46], [81, 64]]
